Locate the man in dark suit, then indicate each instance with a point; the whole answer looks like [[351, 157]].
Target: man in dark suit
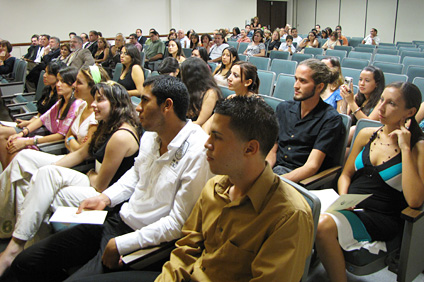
[[80, 57], [140, 38], [92, 44], [32, 50]]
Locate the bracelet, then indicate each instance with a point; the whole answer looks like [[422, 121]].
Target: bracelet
[[68, 141], [35, 141], [357, 110]]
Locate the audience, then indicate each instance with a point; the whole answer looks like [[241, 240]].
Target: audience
[[310, 129], [115, 50], [194, 40], [7, 61], [57, 120], [345, 42], [175, 51], [156, 49], [65, 52], [32, 49], [207, 42], [93, 36], [255, 24], [274, 42], [223, 71], [80, 57], [171, 36], [184, 41], [288, 45], [202, 88], [310, 42], [296, 38], [140, 38], [331, 94], [132, 75], [201, 53], [236, 34], [249, 32], [384, 162], [256, 48], [170, 141], [243, 37]]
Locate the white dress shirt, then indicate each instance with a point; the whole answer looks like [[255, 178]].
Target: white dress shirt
[[162, 190], [216, 51]]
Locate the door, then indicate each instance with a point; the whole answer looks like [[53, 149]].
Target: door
[[272, 13]]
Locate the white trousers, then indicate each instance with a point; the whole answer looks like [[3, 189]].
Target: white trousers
[[14, 181], [50, 187]]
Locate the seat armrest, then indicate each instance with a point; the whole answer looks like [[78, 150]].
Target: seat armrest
[[317, 177], [412, 215], [25, 115], [144, 257], [16, 104]]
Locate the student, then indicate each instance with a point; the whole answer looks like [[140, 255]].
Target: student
[[288, 45]]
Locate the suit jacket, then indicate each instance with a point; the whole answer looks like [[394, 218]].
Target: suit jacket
[[92, 47], [50, 56], [142, 40], [32, 52], [81, 58]]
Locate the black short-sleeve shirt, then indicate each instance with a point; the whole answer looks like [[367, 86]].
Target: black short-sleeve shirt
[[321, 129]]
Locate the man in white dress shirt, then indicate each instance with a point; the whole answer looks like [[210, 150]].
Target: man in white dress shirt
[[216, 50], [161, 189], [372, 38]]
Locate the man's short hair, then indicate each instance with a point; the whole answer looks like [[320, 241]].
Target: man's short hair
[[154, 32], [35, 36], [220, 33], [85, 35], [339, 27], [318, 25], [164, 87], [94, 32], [78, 38], [374, 30], [72, 33], [134, 35], [293, 28], [289, 37], [46, 36], [251, 119], [139, 30], [321, 72], [56, 39]]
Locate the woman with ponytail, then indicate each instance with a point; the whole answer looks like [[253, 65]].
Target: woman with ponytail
[[388, 163]]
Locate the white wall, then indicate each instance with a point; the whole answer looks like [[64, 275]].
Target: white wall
[[357, 18], [58, 17]]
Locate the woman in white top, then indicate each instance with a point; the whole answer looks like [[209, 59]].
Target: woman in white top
[[222, 72], [256, 48]]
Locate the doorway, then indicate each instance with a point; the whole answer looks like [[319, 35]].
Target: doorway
[[272, 13]]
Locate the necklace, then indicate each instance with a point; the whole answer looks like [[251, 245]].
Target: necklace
[[377, 141]]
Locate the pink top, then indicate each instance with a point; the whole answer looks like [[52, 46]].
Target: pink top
[[246, 39], [53, 124]]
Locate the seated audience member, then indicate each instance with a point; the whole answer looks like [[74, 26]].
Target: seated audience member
[[65, 52], [235, 35], [249, 31], [93, 36], [47, 100], [16, 177], [372, 38], [43, 43], [332, 41], [200, 52], [371, 85], [103, 50], [175, 51], [169, 66], [283, 33], [33, 76], [202, 88], [274, 42], [57, 120], [345, 42], [318, 30], [331, 94], [207, 42], [255, 24], [288, 45], [244, 81], [243, 37], [115, 145], [115, 50], [156, 48], [133, 40], [296, 38], [149, 40], [267, 36], [256, 48], [168, 175], [85, 41], [6, 60], [171, 36], [310, 42], [189, 33], [309, 128], [71, 34], [140, 38], [387, 163], [216, 50], [324, 34], [224, 34], [184, 40], [32, 49], [80, 57], [246, 207], [223, 70], [132, 75], [194, 40]]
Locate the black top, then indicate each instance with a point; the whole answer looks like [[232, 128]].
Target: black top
[[321, 129], [32, 52], [142, 40], [7, 67], [46, 101], [126, 163], [381, 214], [127, 82], [274, 44]]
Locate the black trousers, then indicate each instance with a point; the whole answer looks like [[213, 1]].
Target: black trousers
[[81, 246], [122, 276]]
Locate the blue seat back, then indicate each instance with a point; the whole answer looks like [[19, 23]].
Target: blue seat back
[[411, 61], [354, 63], [391, 77], [419, 82], [353, 73], [242, 47], [414, 71], [298, 57], [267, 79], [261, 63], [337, 53], [387, 58], [360, 55], [389, 67], [282, 55], [283, 66], [284, 88], [313, 51]]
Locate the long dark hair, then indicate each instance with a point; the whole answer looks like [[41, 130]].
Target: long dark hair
[[203, 53], [69, 75], [249, 71], [169, 65], [233, 54], [376, 94], [121, 110], [180, 49], [191, 42], [198, 80], [133, 52], [411, 94]]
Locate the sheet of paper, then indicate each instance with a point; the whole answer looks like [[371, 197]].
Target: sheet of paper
[[8, 123], [331, 201], [139, 254], [69, 215]]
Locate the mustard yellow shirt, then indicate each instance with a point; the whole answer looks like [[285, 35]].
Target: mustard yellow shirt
[[265, 235]]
